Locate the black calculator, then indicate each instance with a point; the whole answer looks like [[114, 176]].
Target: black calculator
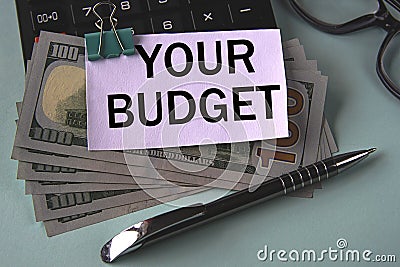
[[76, 17]]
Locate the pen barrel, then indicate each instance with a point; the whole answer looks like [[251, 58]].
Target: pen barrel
[[281, 185]]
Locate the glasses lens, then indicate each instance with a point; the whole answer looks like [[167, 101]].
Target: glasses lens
[[338, 11], [391, 60]]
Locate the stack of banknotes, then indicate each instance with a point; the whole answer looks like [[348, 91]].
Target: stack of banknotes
[[72, 187]]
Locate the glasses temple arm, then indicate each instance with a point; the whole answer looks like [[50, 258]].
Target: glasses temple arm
[[351, 26]]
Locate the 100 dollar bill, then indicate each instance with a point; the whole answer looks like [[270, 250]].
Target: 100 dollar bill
[[52, 206], [53, 120], [69, 223], [54, 117]]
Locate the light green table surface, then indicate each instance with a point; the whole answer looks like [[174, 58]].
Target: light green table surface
[[362, 206]]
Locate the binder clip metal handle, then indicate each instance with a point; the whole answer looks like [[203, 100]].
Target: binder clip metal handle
[[108, 44]]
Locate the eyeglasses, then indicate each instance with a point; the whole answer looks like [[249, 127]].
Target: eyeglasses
[[381, 18]]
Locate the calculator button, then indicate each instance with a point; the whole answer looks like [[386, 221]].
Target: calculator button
[[247, 13], [163, 4], [139, 26], [83, 12], [252, 14], [168, 23], [202, 2], [87, 28], [129, 7], [49, 17], [212, 17]]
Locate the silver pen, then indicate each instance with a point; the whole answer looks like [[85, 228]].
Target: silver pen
[[161, 226]]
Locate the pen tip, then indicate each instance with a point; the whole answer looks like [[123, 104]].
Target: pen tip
[[105, 253], [371, 150]]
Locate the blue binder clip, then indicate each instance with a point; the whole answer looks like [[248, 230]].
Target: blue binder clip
[[108, 44]]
